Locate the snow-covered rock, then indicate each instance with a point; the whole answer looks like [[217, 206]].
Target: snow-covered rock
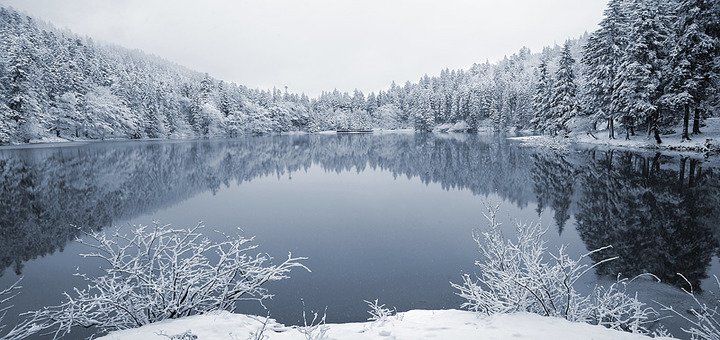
[[415, 324]]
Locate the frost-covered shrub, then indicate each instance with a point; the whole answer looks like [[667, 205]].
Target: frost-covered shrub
[[703, 319], [314, 329], [379, 313], [22, 330], [523, 276], [157, 273]]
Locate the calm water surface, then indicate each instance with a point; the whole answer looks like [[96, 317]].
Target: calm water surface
[[379, 216]]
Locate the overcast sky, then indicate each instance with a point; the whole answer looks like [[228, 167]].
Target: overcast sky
[[315, 45]]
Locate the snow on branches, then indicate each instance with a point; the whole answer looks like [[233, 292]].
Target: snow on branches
[[522, 276], [378, 312], [23, 329], [704, 320], [156, 272]]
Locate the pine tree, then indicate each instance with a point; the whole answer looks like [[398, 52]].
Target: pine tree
[[602, 55], [19, 77], [564, 102], [423, 115], [542, 97], [694, 59], [642, 68], [225, 100]]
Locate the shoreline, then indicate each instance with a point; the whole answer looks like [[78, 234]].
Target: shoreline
[[707, 143], [414, 324]]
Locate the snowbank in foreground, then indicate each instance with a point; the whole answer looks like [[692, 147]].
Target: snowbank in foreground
[[415, 324], [707, 141]]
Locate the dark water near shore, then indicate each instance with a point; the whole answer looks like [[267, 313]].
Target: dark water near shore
[[379, 216]]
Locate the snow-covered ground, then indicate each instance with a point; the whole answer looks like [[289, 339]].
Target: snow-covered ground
[[707, 141], [415, 324]]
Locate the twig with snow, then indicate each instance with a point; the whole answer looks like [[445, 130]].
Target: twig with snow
[[704, 319], [316, 328], [379, 314], [29, 326]]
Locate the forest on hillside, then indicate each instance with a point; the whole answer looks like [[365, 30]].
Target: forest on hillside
[[651, 65]]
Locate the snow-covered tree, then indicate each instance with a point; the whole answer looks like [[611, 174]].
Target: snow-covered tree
[[642, 67], [602, 54], [564, 100], [541, 100], [694, 59], [423, 112]]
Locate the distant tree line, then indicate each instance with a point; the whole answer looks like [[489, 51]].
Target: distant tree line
[[651, 64], [57, 84]]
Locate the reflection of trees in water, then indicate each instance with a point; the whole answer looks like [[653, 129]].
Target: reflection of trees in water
[[47, 191], [656, 217], [650, 212], [553, 182]]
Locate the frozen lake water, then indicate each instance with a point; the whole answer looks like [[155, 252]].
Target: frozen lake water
[[385, 217]]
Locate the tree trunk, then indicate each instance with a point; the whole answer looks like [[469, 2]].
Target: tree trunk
[[654, 126], [626, 121], [656, 163], [681, 178], [657, 136], [686, 120], [691, 173], [611, 128], [696, 122]]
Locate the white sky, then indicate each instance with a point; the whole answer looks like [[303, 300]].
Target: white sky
[[315, 45]]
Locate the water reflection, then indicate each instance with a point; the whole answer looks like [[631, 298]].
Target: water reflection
[[553, 178], [659, 213]]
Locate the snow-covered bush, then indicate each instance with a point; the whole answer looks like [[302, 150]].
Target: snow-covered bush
[[156, 273], [379, 313], [22, 330], [523, 276], [314, 329], [703, 319]]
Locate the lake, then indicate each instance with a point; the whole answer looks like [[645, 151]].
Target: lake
[[383, 216]]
